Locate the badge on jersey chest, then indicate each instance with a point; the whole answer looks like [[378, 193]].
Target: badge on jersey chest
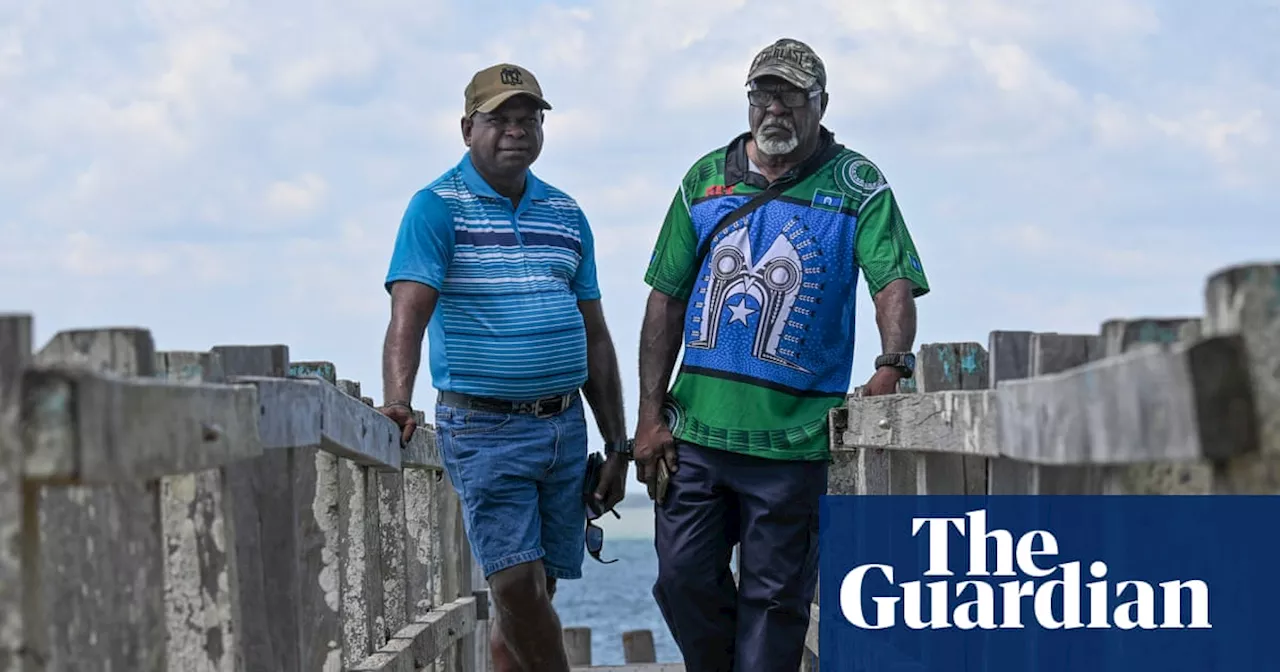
[[827, 200]]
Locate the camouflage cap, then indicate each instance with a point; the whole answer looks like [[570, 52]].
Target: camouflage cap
[[496, 84], [791, 60]]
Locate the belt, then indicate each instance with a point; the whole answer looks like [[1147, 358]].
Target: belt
[[542, 408]]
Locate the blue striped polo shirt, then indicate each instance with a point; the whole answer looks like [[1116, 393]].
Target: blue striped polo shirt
[[507, 323]]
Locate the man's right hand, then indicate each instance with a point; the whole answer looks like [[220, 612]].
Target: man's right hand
[[653, 442], [403, 417]]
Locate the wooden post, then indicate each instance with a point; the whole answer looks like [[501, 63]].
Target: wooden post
[[1046, 353], [101, 555], [946, 367], [265, 520], [577, 644], [1119, 337], [422, 541], [202, 598], [467, 645], [1053, 353], [392, 529], [361, 567], [903, 472], [479, 587], [422, 556], [1245, 301], [637, 647], [857, 469], [15, 351], [455, 569], [854, 469], [316, 501], [1009, 355]]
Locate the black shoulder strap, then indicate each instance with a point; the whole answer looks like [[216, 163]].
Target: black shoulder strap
[[773, 191]]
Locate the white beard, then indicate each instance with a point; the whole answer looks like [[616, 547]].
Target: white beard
[[774, 146], [777, 147]]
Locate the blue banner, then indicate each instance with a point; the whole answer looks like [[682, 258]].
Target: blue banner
[[1049, 583]]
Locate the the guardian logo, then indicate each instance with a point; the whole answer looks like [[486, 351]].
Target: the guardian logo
[[1054, 603]]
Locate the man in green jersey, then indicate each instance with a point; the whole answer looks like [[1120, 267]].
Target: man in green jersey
[[754, 273]]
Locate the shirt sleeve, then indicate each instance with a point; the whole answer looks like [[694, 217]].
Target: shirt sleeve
[[884, 248], [585, 283], [424, 243], [672, 269]]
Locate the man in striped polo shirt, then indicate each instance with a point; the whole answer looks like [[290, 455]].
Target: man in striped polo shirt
[[498, 268]]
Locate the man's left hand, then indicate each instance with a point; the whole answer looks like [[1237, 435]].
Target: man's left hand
[[883, 381], [613, 481]]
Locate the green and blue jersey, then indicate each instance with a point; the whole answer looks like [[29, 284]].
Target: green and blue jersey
[[769, 324]]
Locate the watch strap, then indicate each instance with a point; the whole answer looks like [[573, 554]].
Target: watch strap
[[624, 448], [904, 362]]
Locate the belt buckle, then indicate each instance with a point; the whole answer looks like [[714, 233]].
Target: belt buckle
[[540, 405]]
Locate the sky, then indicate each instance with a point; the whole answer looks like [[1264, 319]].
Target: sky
[[234, 172]]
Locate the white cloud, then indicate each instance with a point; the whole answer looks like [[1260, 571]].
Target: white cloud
[[87, 255], [1222, 138], [296, 197], [1016, 72]]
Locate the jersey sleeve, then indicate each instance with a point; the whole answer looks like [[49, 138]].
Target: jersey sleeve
[[884, 248], [672, 264], [585, 283], [424, 243]]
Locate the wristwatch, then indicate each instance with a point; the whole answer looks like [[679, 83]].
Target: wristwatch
[[904, 362], [623, 448]]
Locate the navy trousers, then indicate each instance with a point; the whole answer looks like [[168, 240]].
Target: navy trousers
[[717, 499]]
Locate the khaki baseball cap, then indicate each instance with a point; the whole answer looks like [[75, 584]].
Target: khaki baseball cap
[[791, 60], [496, 84]]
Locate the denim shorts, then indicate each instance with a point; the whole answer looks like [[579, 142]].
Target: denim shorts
[[519, 479]]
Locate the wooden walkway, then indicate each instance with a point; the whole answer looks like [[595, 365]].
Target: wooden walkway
[[234, 509]]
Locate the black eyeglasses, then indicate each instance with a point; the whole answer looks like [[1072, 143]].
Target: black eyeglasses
[[792, 98], [595, 538]]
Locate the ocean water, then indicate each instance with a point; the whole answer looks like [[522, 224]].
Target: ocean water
[[614, 598]]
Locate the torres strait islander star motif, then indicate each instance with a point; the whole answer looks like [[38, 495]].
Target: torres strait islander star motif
[[740, 311]]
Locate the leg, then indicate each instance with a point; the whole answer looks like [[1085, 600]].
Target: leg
[[499, 653], [503, 659], [495, 462], [778, 559], [563, 517], [694, 533], [528, 625]]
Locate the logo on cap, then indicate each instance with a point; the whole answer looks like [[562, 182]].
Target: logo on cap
[[498, 83], [792, 60], [511, 77]]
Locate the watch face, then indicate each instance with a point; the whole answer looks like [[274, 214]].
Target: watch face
[[910, 361]]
